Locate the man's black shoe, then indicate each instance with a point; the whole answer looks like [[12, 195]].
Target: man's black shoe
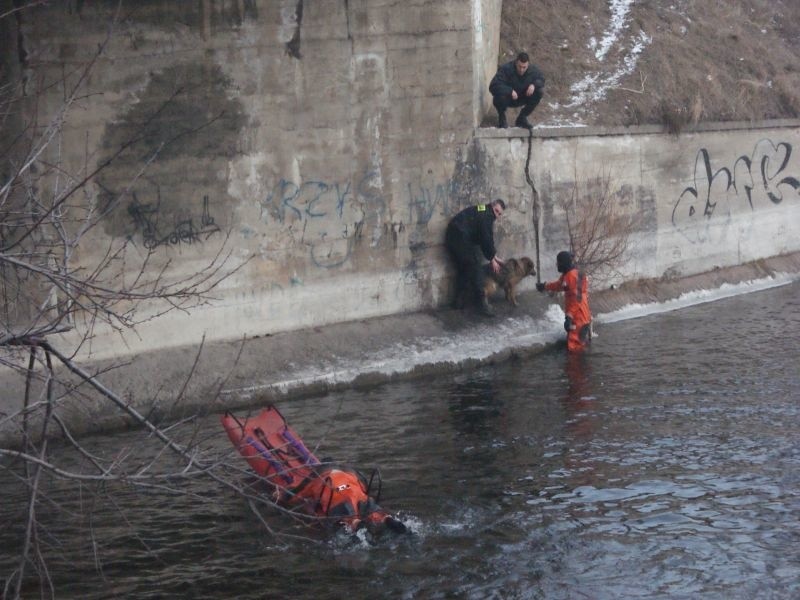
[[501, 121], [523, 122]]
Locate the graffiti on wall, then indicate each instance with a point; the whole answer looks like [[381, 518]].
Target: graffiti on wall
[[425, 201], [330, 216], [767, 176], [178, 137], [184, 231]]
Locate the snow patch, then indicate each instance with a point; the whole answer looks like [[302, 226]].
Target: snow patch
[[487, 339], [726, 290], [620, 10], [593, 87]]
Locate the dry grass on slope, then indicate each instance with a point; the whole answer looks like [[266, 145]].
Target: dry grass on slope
[[673, 62]]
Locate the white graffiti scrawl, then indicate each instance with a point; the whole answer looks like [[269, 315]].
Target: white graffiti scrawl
[[765, 177]]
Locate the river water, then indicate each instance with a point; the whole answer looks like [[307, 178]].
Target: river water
[[664, 463]]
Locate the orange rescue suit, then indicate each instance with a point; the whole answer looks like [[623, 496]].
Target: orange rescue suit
[[575, 285], [339, 494]]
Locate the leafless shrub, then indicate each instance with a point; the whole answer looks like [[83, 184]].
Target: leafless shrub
[[697, 110], [674, 118], [599, 222], [787, 86], [49, 283]]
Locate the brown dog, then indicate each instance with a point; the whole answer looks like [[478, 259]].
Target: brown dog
[[511, 273]]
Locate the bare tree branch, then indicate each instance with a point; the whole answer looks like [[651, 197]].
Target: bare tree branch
[[598, 226], [50, 284]]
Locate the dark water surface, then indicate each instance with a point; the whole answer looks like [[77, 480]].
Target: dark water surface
[[663, 464]]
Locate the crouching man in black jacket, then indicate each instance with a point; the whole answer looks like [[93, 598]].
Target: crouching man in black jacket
[[517, 83], [469, 234]]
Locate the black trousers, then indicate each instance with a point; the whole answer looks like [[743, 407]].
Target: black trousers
[[501, 103], [467, 258]]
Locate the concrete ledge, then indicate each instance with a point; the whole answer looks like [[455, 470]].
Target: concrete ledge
[[562, 132], [256, 371]]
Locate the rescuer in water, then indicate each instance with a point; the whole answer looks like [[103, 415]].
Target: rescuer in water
[[575, 285]]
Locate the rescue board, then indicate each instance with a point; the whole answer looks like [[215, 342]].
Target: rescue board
[[300, 481], [271, 447]]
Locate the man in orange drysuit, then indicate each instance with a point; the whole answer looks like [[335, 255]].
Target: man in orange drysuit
[[575, 285]]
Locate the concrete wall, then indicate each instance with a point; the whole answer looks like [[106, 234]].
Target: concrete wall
[[329, 139], [716, 196], [332, 140], [486, 27]]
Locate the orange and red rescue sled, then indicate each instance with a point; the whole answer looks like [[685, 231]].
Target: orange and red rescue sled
[[299, 480]]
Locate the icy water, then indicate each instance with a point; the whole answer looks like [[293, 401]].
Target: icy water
[[665, 463]]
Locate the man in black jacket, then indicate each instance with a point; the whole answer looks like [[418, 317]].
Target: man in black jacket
[[469, 234], [517, 83]]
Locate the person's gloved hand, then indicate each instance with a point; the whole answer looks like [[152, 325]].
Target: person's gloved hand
[[568, 325], [540, 287]]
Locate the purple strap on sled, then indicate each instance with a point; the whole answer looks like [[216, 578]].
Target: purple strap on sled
[[299, 447], [267, 455]]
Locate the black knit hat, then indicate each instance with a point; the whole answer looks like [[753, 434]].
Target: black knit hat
[[564, 261]]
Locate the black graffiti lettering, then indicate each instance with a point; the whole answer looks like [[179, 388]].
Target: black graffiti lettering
[[143, 218], [206, 220], [184, 232], [748, 189], [712, 187], [777, 198]]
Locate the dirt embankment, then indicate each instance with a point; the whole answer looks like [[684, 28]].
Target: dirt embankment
[[649, 62]]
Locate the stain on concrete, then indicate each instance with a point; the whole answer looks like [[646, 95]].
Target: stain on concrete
[[196, 14], [168, 154], [470, 177], [293, 45]]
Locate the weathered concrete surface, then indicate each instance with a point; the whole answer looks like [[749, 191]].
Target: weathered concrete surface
[[333, 141], [174, 383], [714, 196]]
